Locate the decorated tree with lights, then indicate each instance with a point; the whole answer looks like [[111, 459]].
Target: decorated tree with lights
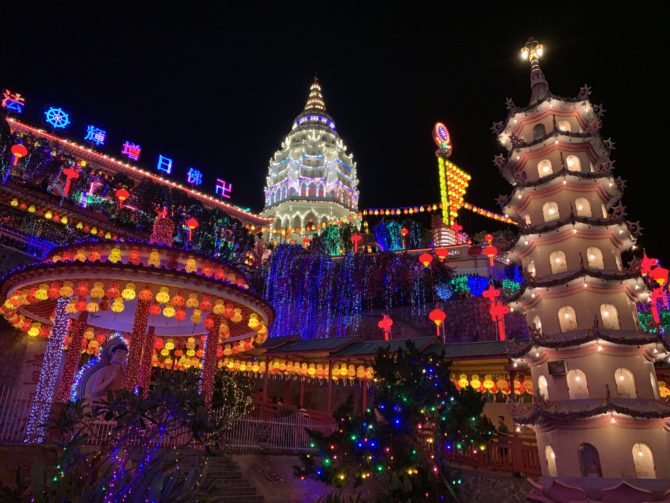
[[400, 441]]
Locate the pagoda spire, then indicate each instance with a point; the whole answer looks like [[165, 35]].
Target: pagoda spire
[[539, 88], [315, 101]]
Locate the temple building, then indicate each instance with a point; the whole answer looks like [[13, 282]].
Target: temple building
[[598, 411], [312, 179]]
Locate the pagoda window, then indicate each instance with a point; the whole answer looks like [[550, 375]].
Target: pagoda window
[[583, 207], [564, 126], [573, 163], [526, 218], [625, 383], [537, 324], [303, 190], [550, 211], [589, 461], [542, 387], [610, 317], [312, 190], [283, 193], [595, 258], [558, 261], [644, 462], [539, 131], [550, 456], [577, 385], [544, 168], [567, 318], [292, 192], [530, 268]]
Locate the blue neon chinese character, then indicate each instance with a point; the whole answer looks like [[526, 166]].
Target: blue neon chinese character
[[13, 101], [194, 176], [164, 164], [57, 117], [223, 189], [131, 150], [95, 135]]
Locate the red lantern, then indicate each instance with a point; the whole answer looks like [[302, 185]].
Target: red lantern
[[113, 291], [155, 309], [442, 253], [81, 305], [145, 294], [122, 195], [356, 238], [205, 304], [490, 251], [18, 151], [426, 259], [159, 343], [180, 315], [385, 324], [208, 323], [437, 316], [192, 225]]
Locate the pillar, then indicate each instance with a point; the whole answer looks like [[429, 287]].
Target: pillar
[[209, 360], [77, 329], [302, 394], [145, 365], [49, 374], [137, 336], [329, 409]]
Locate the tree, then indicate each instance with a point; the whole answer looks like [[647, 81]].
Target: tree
[[417, 412]]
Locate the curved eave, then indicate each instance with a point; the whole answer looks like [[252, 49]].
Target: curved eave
[[575, 338], [298, 200], [587, 408], [530, 238], [569, 283], [551, 105], [523, 194]]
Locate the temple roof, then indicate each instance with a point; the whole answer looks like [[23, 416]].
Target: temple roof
[[315, 112]]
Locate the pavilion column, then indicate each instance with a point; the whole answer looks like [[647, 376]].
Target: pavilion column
[[209, 359], [49, 374], [137, 336], [145, 364], [329, 408], [302, 394], [77, 329]]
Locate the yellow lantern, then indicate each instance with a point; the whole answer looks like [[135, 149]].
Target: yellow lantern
[[196, 317], [34, 330], [163, 296], [71, 307], [192, 300], [165, 352], [169, 311], [191, 265], [41, 292], [190, 352], [154, 259], [114, 255], [128, 292], [169, 345], [66, 290], [92, 307], [237, 315], [98, 290], [253, 321], [117, 306], [475, 383], [218, 308], [463, 381]]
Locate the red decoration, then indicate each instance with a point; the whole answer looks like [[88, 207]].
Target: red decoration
[[659, 275], [426, 259], [137, 337], [442, 253], [72, 174], [356, 238], [437, 316], [18, 151], [209, 359], [403, 232], [154, 309], [192, 225], [385, 324], [489, 250], [647, 264], [77, 329], [144, 374], [457, 231], [498, 310], [122, 195]]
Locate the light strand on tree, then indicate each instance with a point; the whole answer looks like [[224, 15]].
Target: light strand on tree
[[137, 336], [77, 329], [209, 359], [145, 365], [49, 374]]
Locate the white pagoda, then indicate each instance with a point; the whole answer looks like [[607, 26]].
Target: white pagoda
[[312, 179]]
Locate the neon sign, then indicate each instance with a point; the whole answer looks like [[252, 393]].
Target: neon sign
[[223, 189], [13, 101], [164, 164], [95, 135], [442, 138], [57, 117], [194, 176], [131, 150]]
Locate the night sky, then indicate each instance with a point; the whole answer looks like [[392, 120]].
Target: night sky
[[217, 88]]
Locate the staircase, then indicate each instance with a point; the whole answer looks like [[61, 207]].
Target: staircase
[[235, 488]]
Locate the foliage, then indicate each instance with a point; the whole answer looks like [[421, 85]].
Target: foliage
[[133, 459], [340, 498], [417, 412]]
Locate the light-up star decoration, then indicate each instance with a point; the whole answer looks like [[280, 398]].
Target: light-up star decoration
[[57, 117]]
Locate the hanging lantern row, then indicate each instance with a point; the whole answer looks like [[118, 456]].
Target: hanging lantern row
[[494, 383], [55, 216], [138, 256], [409, 210]]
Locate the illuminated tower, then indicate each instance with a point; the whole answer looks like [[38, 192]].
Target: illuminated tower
[[598, 412], [312, 179]]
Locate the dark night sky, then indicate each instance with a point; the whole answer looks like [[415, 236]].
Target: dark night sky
[[217, 88]]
